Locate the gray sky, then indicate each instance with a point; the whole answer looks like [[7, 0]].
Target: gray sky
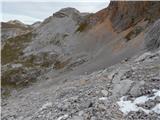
[[30, 11]]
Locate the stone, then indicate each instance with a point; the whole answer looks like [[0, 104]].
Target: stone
[[152, 38], [135, 90], [104, 92], [80, 113], [93, 118], [77, 118], [122, 87]]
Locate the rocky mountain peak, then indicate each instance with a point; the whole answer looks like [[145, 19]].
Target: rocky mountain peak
[[17, 22], [66, 12], [69, 10]]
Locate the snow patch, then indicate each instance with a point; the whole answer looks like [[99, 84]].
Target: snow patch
[[141, 100], [156, 109], [127, 106], [48, 104], [157, 92], [103, 98], [63, 117]]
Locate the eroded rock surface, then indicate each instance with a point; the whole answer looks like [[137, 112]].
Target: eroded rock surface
[[95, 96]]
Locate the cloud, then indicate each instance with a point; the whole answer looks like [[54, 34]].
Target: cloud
[[29, 12], [55, 1], [23, 18]]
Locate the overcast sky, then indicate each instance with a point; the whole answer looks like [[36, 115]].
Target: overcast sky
[[30, 11]]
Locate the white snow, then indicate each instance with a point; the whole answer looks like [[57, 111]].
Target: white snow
[[141, 100], [127, 106], [62, 117], [46, 105], [157, 92], [103, 98], [156, 109]]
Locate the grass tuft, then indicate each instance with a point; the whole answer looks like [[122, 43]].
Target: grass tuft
[[13, 48]]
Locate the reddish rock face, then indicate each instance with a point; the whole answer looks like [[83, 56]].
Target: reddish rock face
[[124, 14]]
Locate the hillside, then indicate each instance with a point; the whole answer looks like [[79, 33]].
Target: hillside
[[76, 66], [13, 28]]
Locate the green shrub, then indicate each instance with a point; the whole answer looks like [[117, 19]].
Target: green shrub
[[137, 30], [82, 27], [13, 48]]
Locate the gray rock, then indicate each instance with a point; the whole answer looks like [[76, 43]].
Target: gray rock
[[135, 90], [122, 87], [104, 92], [152, 39], [77, 118]]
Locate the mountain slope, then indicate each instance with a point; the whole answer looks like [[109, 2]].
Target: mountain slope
[[78, 66], [13, 28]]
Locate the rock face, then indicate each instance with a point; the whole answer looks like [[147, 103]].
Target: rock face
[[152, 38], [76, 66], [36, 24], [125, 14]]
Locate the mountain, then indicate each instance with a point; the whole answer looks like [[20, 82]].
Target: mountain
[[81, 66], [13, 28], [36, 24]]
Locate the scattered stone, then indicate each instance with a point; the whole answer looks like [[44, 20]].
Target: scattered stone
[[122, 88], [104, 92], [135, 90], [77, 118], [48, 104]]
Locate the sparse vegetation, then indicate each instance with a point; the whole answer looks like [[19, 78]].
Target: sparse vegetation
[[9, 76], [59, 65], [29, 62], [17, 78], [65, 35], [13, 48], [137, 30], [82, 27], [8, 25]]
